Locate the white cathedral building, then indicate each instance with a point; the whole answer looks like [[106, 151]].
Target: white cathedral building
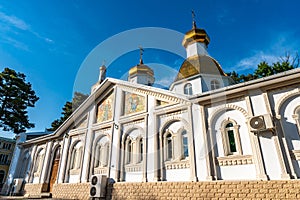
[[204, 128]]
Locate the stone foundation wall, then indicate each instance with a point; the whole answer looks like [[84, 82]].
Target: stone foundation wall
[[31, 189], [237, 190], [71, 191]]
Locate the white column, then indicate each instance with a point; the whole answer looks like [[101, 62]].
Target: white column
[[33, 152], [191, 135], [63, 160], [85, 167], [46, 163]]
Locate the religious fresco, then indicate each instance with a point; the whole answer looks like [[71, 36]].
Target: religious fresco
[[105, 109], [134, 103]]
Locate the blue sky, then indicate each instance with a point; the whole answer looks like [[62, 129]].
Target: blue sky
[[49, 40]]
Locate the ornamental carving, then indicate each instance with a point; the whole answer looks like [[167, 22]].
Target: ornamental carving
[[177, 165], [284, 98], [225, 108], [158, 95], [133, 168], [100, 170], [234, 160]]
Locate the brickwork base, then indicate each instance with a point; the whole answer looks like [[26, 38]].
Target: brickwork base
[[71, 191], [237, 190], [33, 190]]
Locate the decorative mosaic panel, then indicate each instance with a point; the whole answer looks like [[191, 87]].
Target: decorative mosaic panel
[[105, 109], [134, 103]]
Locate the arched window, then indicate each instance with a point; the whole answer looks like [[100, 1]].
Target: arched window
[[101, 153], [76, 156], [231, 138], [39, 161], [141, 149], [2, 175], [214, 84], [129, 151], [185, 146], [188, 89], [296, 116], [169, 147]]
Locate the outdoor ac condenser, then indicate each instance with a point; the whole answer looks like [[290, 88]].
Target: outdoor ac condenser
[[261, 123], [17, 186], [98, 186]]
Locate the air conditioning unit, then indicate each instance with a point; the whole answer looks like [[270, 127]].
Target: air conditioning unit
[[18, 185], [98, 186], [261, 123]]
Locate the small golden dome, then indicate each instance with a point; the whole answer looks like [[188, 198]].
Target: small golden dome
[[141, 68], [195, 35], [199, 64]]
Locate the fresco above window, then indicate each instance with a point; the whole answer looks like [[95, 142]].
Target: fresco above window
[[134, 103], [105, 109]]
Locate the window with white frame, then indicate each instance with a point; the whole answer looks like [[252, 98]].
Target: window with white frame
[[76, 156], [140, 146], [184, 144], [39, 161], [214, 84], [169, 146], [134, 149], [101, 154], [129, 150], [188, 89], [231, 138], [296, 116]]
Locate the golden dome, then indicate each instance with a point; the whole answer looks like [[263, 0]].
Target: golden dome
[[199, 64], [141, 68], [195, 35]]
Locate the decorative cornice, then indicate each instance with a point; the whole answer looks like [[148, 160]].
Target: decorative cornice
[[284, 98], [170, 114], [151, 93], [100, 170], [234, 160], [225, 108], [174, 119], [177, 165], [133, 167]]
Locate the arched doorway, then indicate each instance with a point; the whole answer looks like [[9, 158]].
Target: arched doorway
[[54, 169]]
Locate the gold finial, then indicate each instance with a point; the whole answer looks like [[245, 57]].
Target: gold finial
[[194, 20], [141, 55]]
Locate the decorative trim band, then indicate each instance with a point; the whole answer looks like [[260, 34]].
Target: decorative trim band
[[234, 160], [133, 168], [177, 165]]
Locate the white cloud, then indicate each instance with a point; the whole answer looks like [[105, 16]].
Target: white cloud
[[11, 26], [14, 21], [281, 44]]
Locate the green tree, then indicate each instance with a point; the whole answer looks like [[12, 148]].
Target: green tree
[[16, 95], [265, 69], [68, 109]]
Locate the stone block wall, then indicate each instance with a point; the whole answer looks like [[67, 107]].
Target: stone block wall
[[230, 190], [33, 190], [235, 190], [71, 191]]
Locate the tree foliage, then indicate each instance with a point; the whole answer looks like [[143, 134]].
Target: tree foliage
[[68, 109], [16, 95], [265, 69]]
